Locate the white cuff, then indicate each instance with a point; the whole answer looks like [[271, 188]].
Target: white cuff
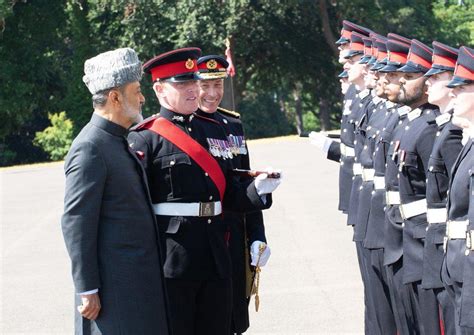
[[89, 292]]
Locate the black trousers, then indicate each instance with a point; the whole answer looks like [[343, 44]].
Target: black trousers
[[200, 307], [425, 305], [380, 295], [363, 256], [406, 319]]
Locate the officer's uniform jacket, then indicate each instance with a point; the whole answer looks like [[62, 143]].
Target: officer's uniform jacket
[[445, 151], [356, 118], [196, 246], [366, 134], [458, 207], [244, 228], [334, 151], [374, 238], [337, 150], [415, 148], [111, 235], [466, 317], [393, 247]]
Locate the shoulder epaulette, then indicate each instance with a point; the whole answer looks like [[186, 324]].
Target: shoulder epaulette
[[144, 122], [228, 112]]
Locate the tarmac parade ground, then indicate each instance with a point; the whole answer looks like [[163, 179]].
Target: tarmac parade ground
[[311, 284]]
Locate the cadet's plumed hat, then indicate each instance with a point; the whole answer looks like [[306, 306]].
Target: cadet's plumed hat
[[212, 67], [464, 71], [381, 45], [419, 58], [347, 29], [444, 59], [176, 65], [397, 54], [112, 69]]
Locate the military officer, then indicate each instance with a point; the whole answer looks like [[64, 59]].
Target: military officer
[[247, 232], [187, 160], [415, 148], [343, 151], [457, 268], [445, 151], [386, 164]]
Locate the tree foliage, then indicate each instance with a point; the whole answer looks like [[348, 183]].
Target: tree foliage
[[57, 138], [285, 60]]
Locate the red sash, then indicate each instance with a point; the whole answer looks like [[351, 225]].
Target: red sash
[[197, 152]]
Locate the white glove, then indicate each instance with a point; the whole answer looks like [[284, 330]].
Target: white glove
[[255, 250], [320, 141], [265, 185]]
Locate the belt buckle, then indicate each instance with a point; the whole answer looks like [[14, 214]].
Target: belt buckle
[[402, 213], [469, 245], [206, 208]]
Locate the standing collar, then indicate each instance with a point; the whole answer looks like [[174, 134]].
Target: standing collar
[[173, 116], [108, 126], [204, 114]]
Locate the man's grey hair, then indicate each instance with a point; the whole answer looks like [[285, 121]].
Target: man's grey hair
[[100, 98]]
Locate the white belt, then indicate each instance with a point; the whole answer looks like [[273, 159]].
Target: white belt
[[456, 229], [413, 208], [379, 183], [392, 198], [188, 209], [436, 215], [347, 151], [368, 174], [357, 169]]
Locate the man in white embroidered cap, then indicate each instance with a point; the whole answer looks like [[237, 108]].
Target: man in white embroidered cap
[[108, 223]]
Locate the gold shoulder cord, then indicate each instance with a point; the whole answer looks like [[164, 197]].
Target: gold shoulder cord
[[261, 249]]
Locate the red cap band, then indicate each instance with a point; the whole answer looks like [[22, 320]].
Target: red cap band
[[173, 69], [381, 55], [398, 57], [356, 46], [463, 72], [444, 61], [419, 60], [346, 34]]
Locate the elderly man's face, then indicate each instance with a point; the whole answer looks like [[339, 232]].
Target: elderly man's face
[[392, 85], [132, 101], [438, 92], [181, 97], [370, 79], [412, 88], [210, 94], [463, 103]]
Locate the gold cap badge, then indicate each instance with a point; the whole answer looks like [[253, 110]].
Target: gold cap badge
[[211, 64], [189, 64]]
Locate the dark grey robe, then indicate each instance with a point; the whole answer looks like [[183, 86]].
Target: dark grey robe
[[111, 234]]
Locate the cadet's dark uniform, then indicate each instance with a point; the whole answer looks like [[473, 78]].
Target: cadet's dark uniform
[[344, 151], [445, 151], [197, 265], [414, 153], [457, 272], [458, 206]]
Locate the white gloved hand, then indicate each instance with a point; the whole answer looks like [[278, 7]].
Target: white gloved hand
[[265, 185], [320, 141], [255, 250]]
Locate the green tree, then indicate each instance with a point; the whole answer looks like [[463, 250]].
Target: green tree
[[57, 138]]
